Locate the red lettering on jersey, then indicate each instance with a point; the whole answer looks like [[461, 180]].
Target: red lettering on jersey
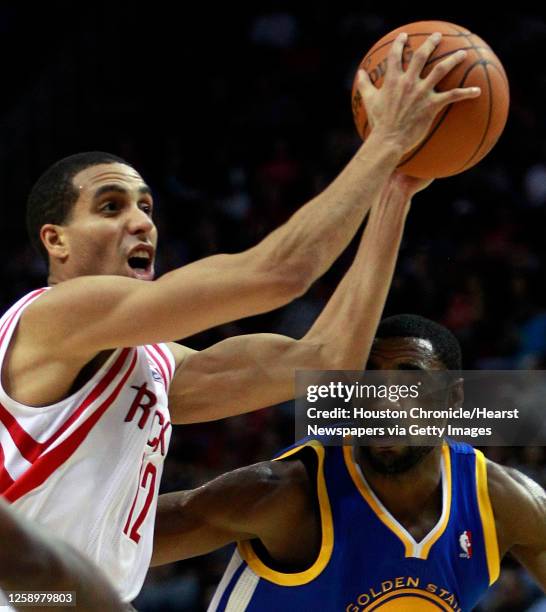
[[160, 438], [151, 471], [143, 393]]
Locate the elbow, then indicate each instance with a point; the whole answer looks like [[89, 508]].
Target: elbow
[[287, 285], [295, 283], [284, 276]]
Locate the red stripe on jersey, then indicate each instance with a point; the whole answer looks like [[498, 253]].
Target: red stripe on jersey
[[5, 479], [157, 362], [167, 361], [7, 323], [47, 463], [30, 448]]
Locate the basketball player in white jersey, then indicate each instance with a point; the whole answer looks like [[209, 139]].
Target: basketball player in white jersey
[[84, 424]]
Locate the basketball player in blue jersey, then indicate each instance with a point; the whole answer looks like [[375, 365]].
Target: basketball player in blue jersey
[[364, 528]]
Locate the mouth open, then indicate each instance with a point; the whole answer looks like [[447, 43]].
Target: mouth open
[[141, 266]]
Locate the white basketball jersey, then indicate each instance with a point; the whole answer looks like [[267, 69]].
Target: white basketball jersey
[[89, 466]]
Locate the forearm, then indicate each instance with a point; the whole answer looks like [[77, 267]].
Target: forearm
[[317, 233], [254, 371], [359, 299], [182, 530], [401, 113], [235, 506]]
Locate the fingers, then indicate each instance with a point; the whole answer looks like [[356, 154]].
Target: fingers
[[456, 95], [394, 59], [364, 82], [444, 67], [422, 54], [366, 88]]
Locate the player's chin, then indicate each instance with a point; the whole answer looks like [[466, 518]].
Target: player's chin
[[388, 451], [396, 459]]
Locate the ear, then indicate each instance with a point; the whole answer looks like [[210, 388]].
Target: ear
[[54, 240], [456, 393]]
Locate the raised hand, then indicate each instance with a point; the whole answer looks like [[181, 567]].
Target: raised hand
[[403, 110]]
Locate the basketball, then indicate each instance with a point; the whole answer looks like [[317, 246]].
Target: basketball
[[463, 133]]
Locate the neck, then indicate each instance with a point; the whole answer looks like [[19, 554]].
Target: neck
[[52, 279], [411, 491], [58, 273]]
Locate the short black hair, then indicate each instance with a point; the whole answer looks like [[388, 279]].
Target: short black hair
[[445, 344], [53, 196]]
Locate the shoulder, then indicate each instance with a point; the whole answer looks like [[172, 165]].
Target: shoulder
[[519, 505], [508, 486]]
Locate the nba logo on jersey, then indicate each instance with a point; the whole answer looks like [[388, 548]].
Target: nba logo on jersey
[[156, 374], [465, 542]]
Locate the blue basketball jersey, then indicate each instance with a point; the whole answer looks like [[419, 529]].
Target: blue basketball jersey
[[367, 560]]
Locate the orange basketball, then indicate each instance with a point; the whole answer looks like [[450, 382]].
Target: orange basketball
[[464, 132]]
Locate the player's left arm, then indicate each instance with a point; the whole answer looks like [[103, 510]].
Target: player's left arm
[[519, 506], [245, 373]]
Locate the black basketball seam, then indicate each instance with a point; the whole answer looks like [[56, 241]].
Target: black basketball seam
[[484, 64], [447, 53], [442, 118], [489, 113], [500, 71]]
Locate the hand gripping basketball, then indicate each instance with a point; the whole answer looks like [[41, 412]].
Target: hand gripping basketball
[[403, 110], [465, 128]]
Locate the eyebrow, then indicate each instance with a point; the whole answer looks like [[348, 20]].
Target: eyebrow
[[409, 366], [404, 366], [143, 190]]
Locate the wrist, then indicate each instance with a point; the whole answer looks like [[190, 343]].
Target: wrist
[[383, 145]]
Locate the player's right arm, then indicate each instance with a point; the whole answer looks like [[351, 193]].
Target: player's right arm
[[83, 316], [268, 501]]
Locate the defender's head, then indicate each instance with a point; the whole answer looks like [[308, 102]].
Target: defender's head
[[91, 213], [411, 342]]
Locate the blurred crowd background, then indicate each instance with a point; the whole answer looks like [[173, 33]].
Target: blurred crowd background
[[238, 116]]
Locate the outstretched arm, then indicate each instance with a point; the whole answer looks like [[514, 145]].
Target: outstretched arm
[[519, 505], [32, 560], [83, 316], [244, 373], [250, 502]]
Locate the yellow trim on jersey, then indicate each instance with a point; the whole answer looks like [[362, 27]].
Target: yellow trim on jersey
[[411, 547], [381, 515], [487, 517], [401, 594], [327, 545], [445, 504]]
